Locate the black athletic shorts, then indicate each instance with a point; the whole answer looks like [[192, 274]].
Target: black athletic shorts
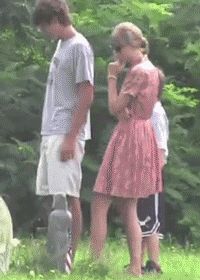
[[150, 212]]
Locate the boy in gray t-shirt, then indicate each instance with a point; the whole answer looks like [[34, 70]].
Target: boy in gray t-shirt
[[65, 119]]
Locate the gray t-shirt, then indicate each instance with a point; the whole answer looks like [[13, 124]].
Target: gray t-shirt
[[72, 63]]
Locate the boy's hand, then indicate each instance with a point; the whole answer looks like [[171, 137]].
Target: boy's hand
[[163, 160], [68, 148]]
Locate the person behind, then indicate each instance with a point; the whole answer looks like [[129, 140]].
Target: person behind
[[131, 166], [65, 118], [151, 209]]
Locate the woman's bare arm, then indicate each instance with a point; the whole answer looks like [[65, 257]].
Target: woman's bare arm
[[116, 102]]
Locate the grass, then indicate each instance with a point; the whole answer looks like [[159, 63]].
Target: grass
[[31, 262]]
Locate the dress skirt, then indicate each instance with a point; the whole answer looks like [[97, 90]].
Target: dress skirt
[[131, 166]]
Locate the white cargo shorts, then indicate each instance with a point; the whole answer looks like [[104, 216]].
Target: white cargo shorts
[[55, 176]]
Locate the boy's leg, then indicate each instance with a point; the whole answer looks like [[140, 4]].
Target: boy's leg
[[153, 247], [148, 213], [153, 243], [65, 177], [143, 251], [74, 186], [75, 208]]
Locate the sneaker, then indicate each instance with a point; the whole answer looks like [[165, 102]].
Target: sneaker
[[152, 267]]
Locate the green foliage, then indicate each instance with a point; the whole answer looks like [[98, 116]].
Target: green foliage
[[30, 261], [181, 50], [172, 29], [23, 67], [181, 96], [182, 179]]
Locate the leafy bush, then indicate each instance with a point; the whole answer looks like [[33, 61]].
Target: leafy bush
[[24, 60]]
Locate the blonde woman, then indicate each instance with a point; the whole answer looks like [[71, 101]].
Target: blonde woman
[[132, 163]]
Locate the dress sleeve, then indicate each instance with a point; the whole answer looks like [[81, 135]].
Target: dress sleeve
[[136, 81]]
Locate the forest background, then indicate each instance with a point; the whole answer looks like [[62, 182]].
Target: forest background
[[173, 30]]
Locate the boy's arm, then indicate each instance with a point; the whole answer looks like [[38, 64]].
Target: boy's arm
[[85, 92], [163, 157], [160, 126], [84, 76]]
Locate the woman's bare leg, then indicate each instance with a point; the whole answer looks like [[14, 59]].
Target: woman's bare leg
[[99, 210], [134, 234]]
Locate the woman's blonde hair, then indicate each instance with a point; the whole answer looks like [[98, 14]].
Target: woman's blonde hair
[[127, 33]]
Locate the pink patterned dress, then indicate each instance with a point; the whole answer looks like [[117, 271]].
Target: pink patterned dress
[[131, 166]]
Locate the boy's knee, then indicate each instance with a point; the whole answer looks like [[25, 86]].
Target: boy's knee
[[74, 204]]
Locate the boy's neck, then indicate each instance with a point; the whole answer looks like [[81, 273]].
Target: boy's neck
[[68, 32]]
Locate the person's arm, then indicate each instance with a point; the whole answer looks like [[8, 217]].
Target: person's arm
[[85, 91], [116, 102], [86, 94], [160, 126], [136, 81], [84, 74]]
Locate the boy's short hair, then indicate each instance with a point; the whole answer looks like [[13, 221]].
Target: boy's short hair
[[47, 10]]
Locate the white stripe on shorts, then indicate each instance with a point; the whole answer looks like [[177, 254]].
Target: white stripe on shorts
[[157, 223]]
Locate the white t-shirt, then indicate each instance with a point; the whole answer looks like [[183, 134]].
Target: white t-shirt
[[161, 127], [72, 63]]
